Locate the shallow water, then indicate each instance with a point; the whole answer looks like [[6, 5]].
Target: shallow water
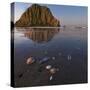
[[67, 48]]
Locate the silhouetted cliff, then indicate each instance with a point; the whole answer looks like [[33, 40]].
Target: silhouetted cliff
[[37, 15]]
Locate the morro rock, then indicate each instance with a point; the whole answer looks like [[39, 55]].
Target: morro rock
[[39, 16]]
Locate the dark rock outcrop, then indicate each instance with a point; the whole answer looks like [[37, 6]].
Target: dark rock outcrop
[[37, 15]]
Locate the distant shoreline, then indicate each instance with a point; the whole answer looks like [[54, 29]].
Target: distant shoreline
[[55, 27], [38, 27]]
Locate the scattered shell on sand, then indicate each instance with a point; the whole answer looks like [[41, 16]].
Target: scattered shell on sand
[[51, 77], [53, 70], [48, 67], [30, 60], [43, 60]]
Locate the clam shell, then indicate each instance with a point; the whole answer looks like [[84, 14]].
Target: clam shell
[[53, 70], [30, 60]]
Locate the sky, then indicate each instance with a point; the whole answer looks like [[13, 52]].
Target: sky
[[68, 15]]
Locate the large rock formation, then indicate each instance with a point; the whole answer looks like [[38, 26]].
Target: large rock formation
[[37, 15]]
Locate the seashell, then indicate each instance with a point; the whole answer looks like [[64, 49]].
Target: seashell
[[45, 59], [48, 67], [53, 70], [30, 60], [51, 77]]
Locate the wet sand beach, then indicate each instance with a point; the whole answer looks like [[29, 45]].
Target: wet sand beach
[[66, 49]]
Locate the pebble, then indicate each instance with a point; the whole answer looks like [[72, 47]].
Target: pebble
[[20, 75]]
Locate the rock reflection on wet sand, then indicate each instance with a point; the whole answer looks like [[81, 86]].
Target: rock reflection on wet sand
[[41, 34]]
